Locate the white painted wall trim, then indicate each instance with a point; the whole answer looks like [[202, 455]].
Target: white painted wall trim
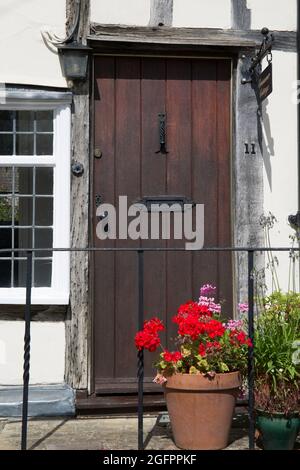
[[16, 96]]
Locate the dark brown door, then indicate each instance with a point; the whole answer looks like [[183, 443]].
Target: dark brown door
[[130, 93]]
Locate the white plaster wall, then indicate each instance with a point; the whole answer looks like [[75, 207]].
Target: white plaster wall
[[280, 154], [275, 14], [130, 12], [202, 13], [47, 352], [186, 13], [24, 57]]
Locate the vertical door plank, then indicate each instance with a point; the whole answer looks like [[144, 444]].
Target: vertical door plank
[[153, 183], [128, 150], [224, 184], [205, 166], [179, 112], [104, 177]]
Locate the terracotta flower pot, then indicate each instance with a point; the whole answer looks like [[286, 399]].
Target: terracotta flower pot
[[201, 409]]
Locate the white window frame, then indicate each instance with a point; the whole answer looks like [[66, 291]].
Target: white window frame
[[58, 293]]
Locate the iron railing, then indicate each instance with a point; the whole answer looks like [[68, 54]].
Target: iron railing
[[140, 320]]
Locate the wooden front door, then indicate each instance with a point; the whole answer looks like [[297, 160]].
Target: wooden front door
[[130, 93]]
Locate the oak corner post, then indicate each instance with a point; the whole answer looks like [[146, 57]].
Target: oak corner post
[[77, 362]]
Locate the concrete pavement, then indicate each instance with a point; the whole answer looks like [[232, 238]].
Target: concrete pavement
[[102, 433]]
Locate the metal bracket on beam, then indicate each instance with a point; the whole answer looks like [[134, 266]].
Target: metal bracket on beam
[[264, 50]]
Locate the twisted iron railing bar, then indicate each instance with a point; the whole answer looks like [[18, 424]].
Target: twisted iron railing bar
[[251, 350], [140, 366], [26, 365], [140, 371]]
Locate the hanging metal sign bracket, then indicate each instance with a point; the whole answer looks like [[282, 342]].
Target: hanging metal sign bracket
[[264, 50]]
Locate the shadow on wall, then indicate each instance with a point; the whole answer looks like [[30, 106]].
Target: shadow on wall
[[265, 139]]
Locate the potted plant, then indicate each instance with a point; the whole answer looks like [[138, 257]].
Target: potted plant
[[277, 370], [202, 377]]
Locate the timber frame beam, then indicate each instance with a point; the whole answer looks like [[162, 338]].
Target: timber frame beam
[[187, 37]]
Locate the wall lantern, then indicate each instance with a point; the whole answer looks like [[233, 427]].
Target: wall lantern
[[73, 55], [74, 60]]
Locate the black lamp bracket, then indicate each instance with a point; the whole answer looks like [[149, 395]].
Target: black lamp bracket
[[264, 50]]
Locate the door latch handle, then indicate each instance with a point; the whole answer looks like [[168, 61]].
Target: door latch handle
[[162, 133]]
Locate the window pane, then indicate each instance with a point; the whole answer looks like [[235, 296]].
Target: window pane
[[43, 211], [20, 271], [5, 180], [23, 180], [6, 144], [44, 121], [6, 210], [22, 239], [44, 144], [6, 121], [23, 211], [5, 241], [42, 273], [5, 273], [24, 144], [44, 181], [43, 238], [24, 121]]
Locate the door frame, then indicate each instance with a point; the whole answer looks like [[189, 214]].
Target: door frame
[[246, 180]]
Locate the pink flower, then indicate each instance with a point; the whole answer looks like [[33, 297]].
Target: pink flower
[[207, 290], [159, 379], [233, 325], [216, 308], [243, 308], [209, 302]]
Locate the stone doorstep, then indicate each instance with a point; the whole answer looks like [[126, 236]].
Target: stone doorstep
[[44, 400]]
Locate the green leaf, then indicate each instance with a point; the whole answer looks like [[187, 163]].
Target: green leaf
[[224, 367]]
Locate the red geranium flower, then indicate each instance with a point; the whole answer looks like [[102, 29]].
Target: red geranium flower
[[147, 340], [148, 337], [172, 356], [202, 350], [154, 325], [238, 337]]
